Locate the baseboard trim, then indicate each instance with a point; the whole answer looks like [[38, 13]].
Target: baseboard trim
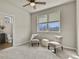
[[69, 48], [20, 43]]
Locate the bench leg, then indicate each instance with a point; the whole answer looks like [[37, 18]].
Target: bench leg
[[38, 44], [55, 50]]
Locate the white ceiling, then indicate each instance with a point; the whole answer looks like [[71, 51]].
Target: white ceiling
[[49, 4]]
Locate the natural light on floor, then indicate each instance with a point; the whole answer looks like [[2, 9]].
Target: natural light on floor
[[70, 58]]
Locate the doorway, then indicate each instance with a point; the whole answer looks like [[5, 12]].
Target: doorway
[[6, 32]]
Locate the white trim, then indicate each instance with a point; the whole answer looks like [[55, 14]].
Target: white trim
[[52, 5], [19, 43], [70, 48]]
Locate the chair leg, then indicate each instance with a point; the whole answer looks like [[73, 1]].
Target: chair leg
[[62, 47], [48, 47], [32, 44]]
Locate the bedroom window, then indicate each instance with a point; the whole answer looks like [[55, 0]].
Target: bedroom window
[[54, 26], [49, 22], [42, 26]]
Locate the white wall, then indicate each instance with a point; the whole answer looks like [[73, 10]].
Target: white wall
[[77, 20], [68, 23], [21, 22]]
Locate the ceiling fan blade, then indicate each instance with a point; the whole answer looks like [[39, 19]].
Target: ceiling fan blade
[[26, 5], [40, 2], [31, 0], [27, 0]]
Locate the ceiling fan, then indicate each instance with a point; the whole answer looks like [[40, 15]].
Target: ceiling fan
[[33, 3]]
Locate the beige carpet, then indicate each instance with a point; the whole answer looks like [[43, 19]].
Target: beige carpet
[[24, 52]]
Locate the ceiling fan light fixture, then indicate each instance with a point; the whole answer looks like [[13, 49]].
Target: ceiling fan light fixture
[[32, 4]]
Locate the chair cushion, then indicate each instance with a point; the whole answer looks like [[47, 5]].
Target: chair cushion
[[54, 43], [35, 41], [33, 36]]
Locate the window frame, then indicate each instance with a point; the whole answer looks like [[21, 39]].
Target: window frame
[[49, 22]]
